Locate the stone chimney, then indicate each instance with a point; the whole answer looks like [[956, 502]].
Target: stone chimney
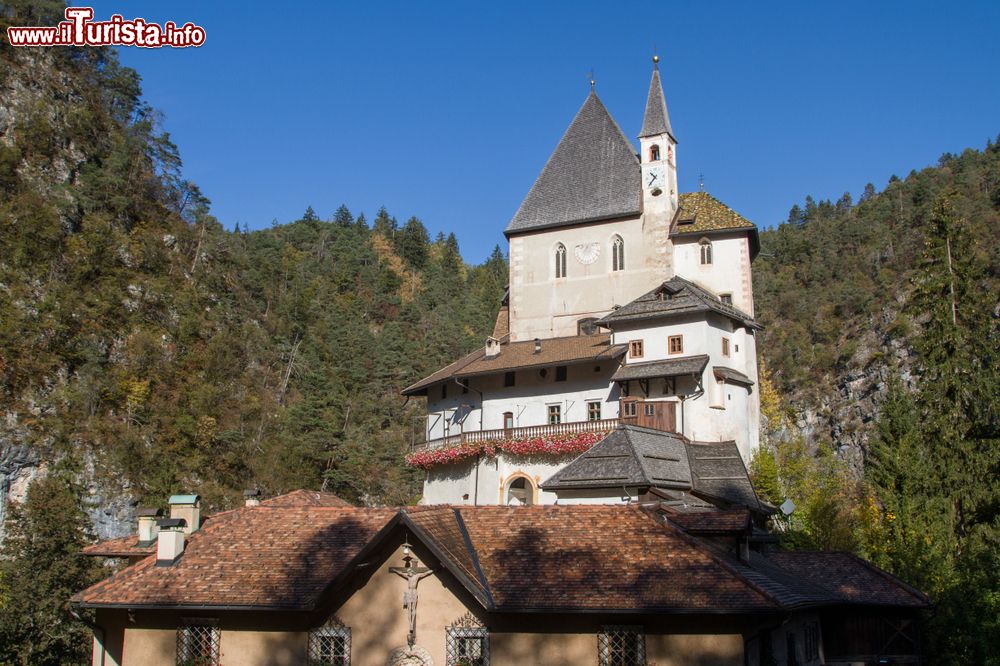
[[170, 540], [147, 525], [492, 347], [187, 507], [251, 497]]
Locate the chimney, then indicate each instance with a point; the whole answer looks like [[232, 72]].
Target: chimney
[[170, 540], [538, 346], [492, 347], [187, 507], [147, 525], [251, 497]]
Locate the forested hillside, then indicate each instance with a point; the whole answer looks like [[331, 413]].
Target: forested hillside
[[833, 284], [883, 409], [162, 352]]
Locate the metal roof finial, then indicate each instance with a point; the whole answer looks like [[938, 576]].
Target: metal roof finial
[[701, 182], [592, 82], [656, 60]]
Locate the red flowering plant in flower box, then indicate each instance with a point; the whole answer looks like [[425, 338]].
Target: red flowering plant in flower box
[[562, 444]]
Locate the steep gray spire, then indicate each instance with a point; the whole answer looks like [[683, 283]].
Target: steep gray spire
[[593, 174], [656, 121]]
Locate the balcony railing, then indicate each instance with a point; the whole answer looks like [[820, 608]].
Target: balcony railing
[[526, 432]]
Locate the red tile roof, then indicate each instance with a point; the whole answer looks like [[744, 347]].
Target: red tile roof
[[123, 547], [600, 558], [549, 558], [849, 579], [734, 521], [306, 498], [273, 557]]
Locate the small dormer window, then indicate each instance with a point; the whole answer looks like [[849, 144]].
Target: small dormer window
[[726, 298], [654, 153]]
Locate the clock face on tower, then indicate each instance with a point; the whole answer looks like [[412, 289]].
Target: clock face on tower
[[652, 179]]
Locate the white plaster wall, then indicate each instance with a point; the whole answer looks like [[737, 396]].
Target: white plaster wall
[[543, 306], [729, 272], [528, 399]]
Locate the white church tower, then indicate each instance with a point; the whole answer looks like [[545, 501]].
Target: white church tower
[[658, 154], [628, 325]]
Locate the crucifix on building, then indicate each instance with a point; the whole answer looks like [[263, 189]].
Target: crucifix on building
[[413, 574]]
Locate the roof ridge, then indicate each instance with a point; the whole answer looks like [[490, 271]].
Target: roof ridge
[[666, 524]]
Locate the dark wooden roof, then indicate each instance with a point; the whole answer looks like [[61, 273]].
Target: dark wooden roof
[[676, 296], [671, 367], [629, 456], [522, 356]]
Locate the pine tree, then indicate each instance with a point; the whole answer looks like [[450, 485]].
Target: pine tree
[[41, 568], [936, 459]]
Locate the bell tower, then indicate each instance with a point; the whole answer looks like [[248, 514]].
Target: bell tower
[[658, 156]]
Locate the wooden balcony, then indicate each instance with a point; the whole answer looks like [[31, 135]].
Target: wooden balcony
[[526, 432]]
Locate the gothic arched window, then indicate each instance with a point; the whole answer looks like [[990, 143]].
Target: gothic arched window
[[706, 251], [560, 260], [654, 153], [617, 254]]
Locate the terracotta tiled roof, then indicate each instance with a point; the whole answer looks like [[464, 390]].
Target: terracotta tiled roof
[[306, 498], [701, 212], [443, 526], [539, 558], [600, 558], [123, 547], [711, 522], [270, 557], [521, 356], [849, 579]]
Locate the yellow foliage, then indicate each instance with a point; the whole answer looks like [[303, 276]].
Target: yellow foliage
[[136, 392], [387, 255], [771, 404]]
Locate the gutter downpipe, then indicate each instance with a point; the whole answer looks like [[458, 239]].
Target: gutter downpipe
[[475, 487], [97, 629]]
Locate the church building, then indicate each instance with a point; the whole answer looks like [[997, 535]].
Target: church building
[[630, 305]]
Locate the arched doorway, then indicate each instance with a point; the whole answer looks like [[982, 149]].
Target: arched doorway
[[520, 492]]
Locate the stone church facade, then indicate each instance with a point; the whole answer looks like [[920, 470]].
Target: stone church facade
[[629, 303]]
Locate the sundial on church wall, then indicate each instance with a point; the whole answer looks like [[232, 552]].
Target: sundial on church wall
[[587, 253]]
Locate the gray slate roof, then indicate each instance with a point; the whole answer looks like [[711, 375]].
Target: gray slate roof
[[717, 470], [656, 119], [731, 376], [628, 456], [676, 296], [674, 367], [633, 456], [593, 174]]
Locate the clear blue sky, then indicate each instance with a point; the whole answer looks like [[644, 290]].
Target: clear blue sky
[[448, 111]]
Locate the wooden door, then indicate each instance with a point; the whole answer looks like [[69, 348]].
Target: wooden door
[[657, 415]]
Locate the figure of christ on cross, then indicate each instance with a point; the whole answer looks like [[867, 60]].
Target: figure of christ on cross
[[413, 575]]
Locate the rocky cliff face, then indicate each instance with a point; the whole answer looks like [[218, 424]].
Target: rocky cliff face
[[844, 416]]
